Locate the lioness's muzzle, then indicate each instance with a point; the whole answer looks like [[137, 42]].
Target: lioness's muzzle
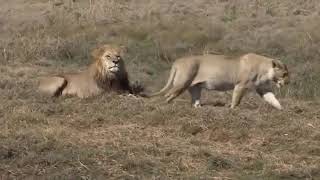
[[280, 83]]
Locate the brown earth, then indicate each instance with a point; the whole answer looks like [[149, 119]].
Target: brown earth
[[119, 137]]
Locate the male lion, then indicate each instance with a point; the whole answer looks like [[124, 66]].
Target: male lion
[[107, 72], [222, 73]]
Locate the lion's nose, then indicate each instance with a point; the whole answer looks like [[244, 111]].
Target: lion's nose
[[115, 61]]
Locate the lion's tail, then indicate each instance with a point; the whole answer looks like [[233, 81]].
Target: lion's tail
[[169, 83], [52, 86]]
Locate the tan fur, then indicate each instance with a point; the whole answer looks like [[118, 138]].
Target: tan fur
[[107, 72], [222, 73]]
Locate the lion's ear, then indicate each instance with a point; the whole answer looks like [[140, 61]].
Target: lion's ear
[[96, 52]]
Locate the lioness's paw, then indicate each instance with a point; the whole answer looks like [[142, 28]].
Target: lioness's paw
[[197, 105]]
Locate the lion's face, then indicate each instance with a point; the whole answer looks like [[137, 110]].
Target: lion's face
[[109, 59], [281, 74]]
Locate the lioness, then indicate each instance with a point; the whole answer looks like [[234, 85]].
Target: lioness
[[107, 72], [222, 73]]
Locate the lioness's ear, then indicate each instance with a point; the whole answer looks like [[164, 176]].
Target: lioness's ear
[[276, 63]]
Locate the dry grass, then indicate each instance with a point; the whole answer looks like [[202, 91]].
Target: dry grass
[[118, 137]]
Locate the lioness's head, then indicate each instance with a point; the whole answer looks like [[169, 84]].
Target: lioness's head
[[281, 73], [108, 59]]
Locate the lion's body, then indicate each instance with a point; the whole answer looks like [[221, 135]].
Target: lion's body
[[102, 75], [222, 73]]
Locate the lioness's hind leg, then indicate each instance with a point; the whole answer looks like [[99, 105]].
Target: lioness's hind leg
[[195, 92], [238, 93], [182, 80]]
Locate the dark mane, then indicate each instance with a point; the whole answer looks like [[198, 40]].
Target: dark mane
[[118, 82]]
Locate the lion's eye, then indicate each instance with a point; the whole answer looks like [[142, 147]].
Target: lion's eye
[[108, 56], [118, 57]]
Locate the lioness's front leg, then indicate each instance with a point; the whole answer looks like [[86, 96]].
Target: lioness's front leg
[[272, 100], [266, 93], [238, 93]]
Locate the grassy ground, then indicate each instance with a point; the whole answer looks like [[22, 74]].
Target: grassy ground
[[119, 137]]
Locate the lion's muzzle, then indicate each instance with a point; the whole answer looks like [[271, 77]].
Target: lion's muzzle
[[114, 68]]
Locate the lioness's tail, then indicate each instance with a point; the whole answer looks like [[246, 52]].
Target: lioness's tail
[[169, 82]]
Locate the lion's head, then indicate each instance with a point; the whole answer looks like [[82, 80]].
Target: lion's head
[[109, 69], [281, 73], [109, 60]]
